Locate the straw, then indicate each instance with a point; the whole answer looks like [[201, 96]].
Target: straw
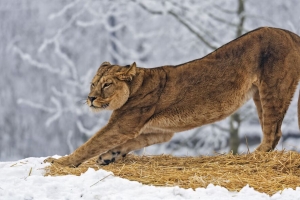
[[267, 172]]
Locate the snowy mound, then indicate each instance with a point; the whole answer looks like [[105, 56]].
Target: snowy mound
[[24, 179]]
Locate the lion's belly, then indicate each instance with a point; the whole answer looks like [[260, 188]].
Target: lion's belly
[[180, 118]]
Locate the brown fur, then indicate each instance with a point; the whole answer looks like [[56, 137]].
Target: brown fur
[[151, 104]]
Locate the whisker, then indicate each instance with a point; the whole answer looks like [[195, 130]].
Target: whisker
[[83, 101]]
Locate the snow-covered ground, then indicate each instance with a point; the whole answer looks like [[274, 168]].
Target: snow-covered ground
[[24, 180]]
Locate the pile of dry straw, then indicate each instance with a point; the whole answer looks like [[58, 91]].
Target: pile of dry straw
[[266, 172]]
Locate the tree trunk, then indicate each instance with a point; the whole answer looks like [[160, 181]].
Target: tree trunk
[[113, 34], [234, 140], [235, 121]]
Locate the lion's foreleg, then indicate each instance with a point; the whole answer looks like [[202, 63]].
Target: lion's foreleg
[[104, 140], [139, 142]]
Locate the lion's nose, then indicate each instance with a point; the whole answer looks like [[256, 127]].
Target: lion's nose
[[92, 99]]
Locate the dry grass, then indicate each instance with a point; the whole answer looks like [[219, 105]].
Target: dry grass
[[266, 172]]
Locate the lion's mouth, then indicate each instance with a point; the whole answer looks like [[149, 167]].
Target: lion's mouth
[[105, 105], [102, 106]]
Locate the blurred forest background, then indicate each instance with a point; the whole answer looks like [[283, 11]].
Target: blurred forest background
[[49, 51]]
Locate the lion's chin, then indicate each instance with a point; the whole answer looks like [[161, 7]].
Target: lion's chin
[[95, 110]]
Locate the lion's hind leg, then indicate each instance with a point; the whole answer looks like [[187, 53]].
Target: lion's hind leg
[[274, 101], [139, 142], [256, 99]]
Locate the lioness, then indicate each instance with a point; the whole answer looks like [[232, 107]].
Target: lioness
[[150, 105]]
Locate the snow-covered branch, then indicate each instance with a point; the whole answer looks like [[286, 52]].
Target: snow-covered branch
[[67, 60], [60, 31], [26, 57], [192, 30], [63, 10], [58, 111], [182, 21], [35, 105]]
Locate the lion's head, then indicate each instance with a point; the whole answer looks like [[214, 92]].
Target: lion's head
[[110, 86]]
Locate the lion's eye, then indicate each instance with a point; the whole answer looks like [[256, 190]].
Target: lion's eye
[[106, 85], [92, 85]]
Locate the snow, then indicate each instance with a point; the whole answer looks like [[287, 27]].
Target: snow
[[24, 180]]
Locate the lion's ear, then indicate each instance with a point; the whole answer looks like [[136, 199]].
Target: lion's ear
[[128, 74], [105, 63]]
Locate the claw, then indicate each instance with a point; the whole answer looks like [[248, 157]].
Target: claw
[[49, 160]]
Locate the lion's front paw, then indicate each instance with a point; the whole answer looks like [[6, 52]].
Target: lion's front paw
[[110, 156], [65, 161]]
